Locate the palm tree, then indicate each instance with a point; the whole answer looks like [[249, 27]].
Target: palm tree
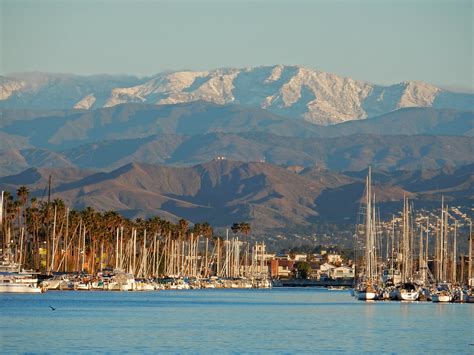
[[33, 226], [245, 229], [110, 221], [17, 243], [235, 228], [22, 194], [207, 232], [183, 226], [207, 229], [3, 222], [89, 218], [9, 217]]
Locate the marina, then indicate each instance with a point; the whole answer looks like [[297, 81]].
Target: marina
[[404, 273], [236, 177], [55, 249]]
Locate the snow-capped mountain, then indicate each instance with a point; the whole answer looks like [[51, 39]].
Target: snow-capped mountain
[[293, 91]]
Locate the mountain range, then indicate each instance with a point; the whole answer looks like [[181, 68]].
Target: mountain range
[[284, 147], [351, 153], [273, 199], [293, 91], [193, 133]]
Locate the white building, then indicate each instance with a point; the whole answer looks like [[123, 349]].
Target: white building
[[300, 257], [342, 272]]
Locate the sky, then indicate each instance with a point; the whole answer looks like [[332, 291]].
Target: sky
[[376, 41]]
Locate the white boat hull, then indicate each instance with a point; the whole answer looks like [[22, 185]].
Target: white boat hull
[[365, 296], [82, 287], [441, 298], [120, 287], [55, 284], [145, 287], [18, 288], [409, 296]]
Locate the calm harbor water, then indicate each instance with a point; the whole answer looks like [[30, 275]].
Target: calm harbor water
[[217, 321]]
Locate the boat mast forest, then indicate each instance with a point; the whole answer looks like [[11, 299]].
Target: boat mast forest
[[49, 237], [412, 253]]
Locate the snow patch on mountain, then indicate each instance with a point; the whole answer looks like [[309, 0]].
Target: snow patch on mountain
[[86, 103], [275, 75], [217, 88], [418, 94], [293, 91], [152, 91], [8, 87]]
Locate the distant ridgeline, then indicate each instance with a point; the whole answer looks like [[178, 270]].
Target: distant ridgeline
[[275, 200], [293, 91]]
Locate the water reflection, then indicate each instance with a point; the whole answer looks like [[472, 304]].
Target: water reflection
[[212, 321]]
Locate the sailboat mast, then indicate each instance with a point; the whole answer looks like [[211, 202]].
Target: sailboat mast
[[426, 248], [368, 227], [66, 240], [441, 242], [116, 247], [454, 251], [393, 238], [4, 239], [134, 264], [83, 246], [469, 273], [420, 255], [445, 246], [54, 239], [145, 255], [374, 241]]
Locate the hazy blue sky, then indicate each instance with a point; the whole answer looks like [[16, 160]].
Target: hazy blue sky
[[377, 41]]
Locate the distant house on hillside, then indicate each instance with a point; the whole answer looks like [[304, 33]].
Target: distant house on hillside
[[325, 270], [300, 257], [318, 258], [313, 270]]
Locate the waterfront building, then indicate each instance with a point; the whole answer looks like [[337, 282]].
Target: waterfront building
[[281, 269], [342, 272]]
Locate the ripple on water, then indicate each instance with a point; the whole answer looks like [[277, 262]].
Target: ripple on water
[[212, 321]]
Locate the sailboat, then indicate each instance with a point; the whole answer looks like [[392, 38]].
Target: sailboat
[[407, 291], [366, 287], [443, 292]]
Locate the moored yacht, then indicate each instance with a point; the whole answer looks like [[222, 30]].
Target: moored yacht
[[408, 292], [122, 281], [443, 293], [12, 280], [57, 282], [469, 298], [365, 292], [18, 283]]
